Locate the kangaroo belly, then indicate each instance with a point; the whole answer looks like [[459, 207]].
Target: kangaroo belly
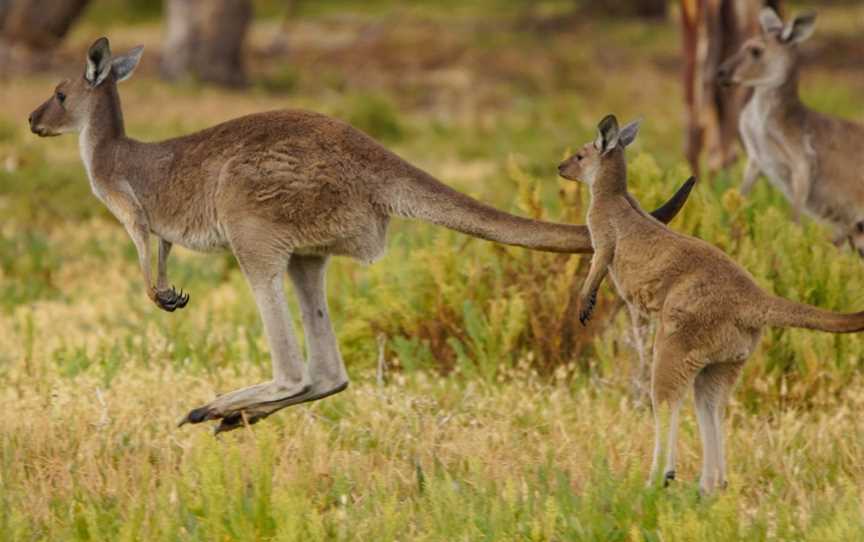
[[636, 282], [194, 237], [367, 242], [643, 294]]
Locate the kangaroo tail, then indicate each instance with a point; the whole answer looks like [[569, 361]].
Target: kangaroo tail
[[422, 196], [776, 311]]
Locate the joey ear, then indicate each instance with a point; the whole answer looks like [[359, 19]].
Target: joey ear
[[607, 134], [770, 21], [98, 62], [799, 29], [628, 133], [124, 65]]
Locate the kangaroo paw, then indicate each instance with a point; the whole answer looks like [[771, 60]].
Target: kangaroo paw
[[587, 308], [170, 300]]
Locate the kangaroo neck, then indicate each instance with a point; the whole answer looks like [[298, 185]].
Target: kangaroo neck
[[611, 179], [102, 133], [779, 99]]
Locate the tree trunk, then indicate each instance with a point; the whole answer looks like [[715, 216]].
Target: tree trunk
[[629, 8], [38, 25], [205, 40], [713, 30]]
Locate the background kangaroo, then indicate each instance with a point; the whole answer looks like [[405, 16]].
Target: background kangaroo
[[283, 189], [814, 159], [710, 310]]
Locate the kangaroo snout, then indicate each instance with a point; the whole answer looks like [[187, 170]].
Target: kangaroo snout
[[35, 122], [30, 122], [724, 75]]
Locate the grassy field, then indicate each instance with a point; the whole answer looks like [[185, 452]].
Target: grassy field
[[500, 418]]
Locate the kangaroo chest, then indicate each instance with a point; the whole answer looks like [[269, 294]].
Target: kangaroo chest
[[635, 282], [768, 146]]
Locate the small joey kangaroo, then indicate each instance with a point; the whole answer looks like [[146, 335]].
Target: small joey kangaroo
[[283, 190], [710, 311], [815, 160]]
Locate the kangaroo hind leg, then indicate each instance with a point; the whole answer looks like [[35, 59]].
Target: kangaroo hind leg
[[674, 368], [327, 375], [265, 272], [712, 388]]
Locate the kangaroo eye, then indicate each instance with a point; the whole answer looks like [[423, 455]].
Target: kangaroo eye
[[578, 157], [755, 52], [860, 227], [61, 97]]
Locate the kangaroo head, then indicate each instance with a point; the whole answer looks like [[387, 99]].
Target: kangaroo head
[[769, 59], [607, 148], [70, 106]]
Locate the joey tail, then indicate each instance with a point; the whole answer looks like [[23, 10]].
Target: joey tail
[[779, 312]]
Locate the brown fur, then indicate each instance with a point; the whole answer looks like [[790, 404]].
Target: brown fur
[[710, 310], [814, 159], [282, 189]]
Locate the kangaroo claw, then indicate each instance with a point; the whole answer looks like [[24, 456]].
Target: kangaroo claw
[[170, 300], [586, 308]]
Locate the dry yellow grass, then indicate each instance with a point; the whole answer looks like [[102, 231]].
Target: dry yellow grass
[[420, 458]]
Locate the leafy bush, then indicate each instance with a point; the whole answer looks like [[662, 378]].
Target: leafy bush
[[375, 115]]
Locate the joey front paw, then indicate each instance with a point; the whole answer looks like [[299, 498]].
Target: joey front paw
[[169, 299], [586, 307]]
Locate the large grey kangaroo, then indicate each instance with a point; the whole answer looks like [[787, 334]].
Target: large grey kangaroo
[[283, 189]]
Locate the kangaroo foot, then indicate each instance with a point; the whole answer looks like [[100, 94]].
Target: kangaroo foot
[[169, 299], [258, 412], [668, 477], [245, 399]]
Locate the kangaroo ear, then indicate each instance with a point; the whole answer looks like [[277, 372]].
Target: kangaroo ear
[[770, 21], [607, 134], [98, 62], [123, 66], [800, 29], [628, 133]]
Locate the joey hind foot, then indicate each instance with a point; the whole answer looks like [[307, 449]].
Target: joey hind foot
[[668, 478], [169, 299], [586, 307]]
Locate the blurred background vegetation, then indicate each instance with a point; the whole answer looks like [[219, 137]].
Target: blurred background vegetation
[[486, 95]]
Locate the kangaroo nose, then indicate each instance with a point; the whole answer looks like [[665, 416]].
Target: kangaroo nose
[[30, 119], [724, 76]]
